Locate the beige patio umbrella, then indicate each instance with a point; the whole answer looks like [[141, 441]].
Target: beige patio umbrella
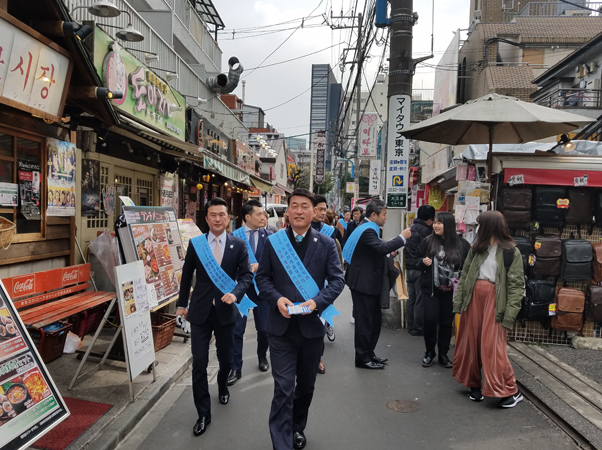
[[495, 119]]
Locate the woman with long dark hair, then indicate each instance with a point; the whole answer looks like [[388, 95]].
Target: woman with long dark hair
[[443, 254], [489, 298]]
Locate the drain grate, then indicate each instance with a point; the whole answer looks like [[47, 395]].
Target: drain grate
[[404, 406]]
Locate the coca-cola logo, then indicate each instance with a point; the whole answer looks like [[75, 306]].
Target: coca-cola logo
[[23, 286], [70, 276]]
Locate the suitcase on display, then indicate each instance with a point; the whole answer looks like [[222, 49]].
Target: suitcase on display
[[576, 260], [580, 210], [570, 305], [547, 212], [547, 250], [517, 219], [540, 294], [597, 262], [593, 303], [515, 205]]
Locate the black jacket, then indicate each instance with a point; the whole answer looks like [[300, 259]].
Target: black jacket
[[365, 273], [420, 230], [352, 225], [335, 235], [427, 283], [235, 263]]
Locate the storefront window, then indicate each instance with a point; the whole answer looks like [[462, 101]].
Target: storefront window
[[6, 145], [6, 171]]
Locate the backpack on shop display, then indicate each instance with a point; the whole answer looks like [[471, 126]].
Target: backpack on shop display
[[547, 212], [570, 305], [536, 304], [547, 250], [525, 246], [598, 209], [597, 262], [580, 211], [515, 205], [593, 303], [576, 260]]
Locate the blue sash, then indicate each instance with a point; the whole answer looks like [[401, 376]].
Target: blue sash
[[297, 272], [343, 224], [242, 234], [355, 237], [218, 276], [327, 230]]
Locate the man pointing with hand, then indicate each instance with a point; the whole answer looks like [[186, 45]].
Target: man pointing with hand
[[295, 265]]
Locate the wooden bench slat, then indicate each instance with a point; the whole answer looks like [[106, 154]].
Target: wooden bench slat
[[33, 314], [50, 295], [58, 315]]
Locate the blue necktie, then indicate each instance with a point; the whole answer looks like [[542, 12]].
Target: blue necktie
[[299, 238], [252, 240]]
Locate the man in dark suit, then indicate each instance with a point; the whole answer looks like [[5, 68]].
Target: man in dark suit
[[317, 222], [212, 311], [365, 279], [252, 213], [356, 214], [296, 340]]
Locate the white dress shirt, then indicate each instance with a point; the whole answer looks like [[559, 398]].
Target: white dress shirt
[[222, 242]]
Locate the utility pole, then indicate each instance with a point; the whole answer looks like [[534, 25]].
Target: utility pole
[[401, 71]]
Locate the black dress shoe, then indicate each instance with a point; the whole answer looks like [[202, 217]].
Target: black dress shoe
[[427, 361], [264, 365], [234, 376], [378, 360], [370, 365], [299, 440], [445, 361], [224, 397], [201, 425]]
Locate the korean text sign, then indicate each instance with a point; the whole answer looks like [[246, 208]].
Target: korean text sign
[[320, 156], [368, 136], [398, 152], [33, 72]]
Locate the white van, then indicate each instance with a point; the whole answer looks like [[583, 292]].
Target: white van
[[275, 215]]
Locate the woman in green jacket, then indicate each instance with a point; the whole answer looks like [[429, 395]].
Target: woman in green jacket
[[489, 297]]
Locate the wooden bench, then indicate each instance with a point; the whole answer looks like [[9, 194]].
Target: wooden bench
[[45, 297]]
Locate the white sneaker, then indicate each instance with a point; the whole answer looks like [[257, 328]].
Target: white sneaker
[[352, 319]]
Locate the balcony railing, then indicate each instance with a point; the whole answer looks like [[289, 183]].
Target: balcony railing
[[572, 98], [422, 94], [550, 9]]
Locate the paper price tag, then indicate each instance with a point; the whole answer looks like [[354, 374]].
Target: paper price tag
[[516, 179], [532, 260], [537, 245], [552, 309], [580, 181]]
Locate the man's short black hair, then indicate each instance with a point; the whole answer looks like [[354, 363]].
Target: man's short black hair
[[426, 212], [248, 207], [301, 193], [217, 201], [375, 206], [357, 208], [319, 199]]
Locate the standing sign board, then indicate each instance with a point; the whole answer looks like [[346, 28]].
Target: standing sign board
[[368, 136], [320, 156], [134, 307], [156, 240], [30, 404], [398, 152]]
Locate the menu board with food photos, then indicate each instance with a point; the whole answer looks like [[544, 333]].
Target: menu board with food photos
[[30, 404], [156, 240]]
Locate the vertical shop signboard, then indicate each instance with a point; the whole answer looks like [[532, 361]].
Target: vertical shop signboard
[[320, 156], [61, 167], [368, 136], [398, 152], [167, 191], [156, 239], [90, 188], [30, 404], [374, 188]]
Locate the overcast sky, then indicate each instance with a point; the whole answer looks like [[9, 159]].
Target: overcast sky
[[270, 86]]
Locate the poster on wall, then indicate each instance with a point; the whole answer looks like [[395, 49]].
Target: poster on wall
[[188, 230], [61, 178], [29, 188], [90, 187], [109, 194], [156, 240], [9, 194], [30, 404], [167, 194]]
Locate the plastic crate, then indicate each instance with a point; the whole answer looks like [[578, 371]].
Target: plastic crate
[[164, 326], [89, 320], [50, 344]]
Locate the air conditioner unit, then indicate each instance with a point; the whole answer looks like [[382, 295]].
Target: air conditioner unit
[[477, 14]]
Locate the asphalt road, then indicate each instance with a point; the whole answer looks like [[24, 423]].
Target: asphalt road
[[349, 408]]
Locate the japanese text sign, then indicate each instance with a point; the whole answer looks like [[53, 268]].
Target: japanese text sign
[[398, 151], [320, 144], [368, 136], [33, 71]]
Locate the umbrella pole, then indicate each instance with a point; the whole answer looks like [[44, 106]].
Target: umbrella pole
[[490, 160]]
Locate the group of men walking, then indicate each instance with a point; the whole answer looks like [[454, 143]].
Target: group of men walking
[[293, 276]]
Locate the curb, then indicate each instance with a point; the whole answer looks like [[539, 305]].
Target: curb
[[117, 431]]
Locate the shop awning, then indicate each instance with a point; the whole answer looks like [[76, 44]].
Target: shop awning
[[284, 188], [262, 185], [225, 168]]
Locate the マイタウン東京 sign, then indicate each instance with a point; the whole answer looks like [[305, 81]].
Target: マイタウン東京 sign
[[398, 152]]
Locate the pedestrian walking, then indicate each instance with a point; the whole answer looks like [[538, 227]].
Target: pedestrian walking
[[343, 222], [218, 259], [255, 236], [366, 254], [443, 255], [489, 298], [421, 228], [356, 214], [298, 265]]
